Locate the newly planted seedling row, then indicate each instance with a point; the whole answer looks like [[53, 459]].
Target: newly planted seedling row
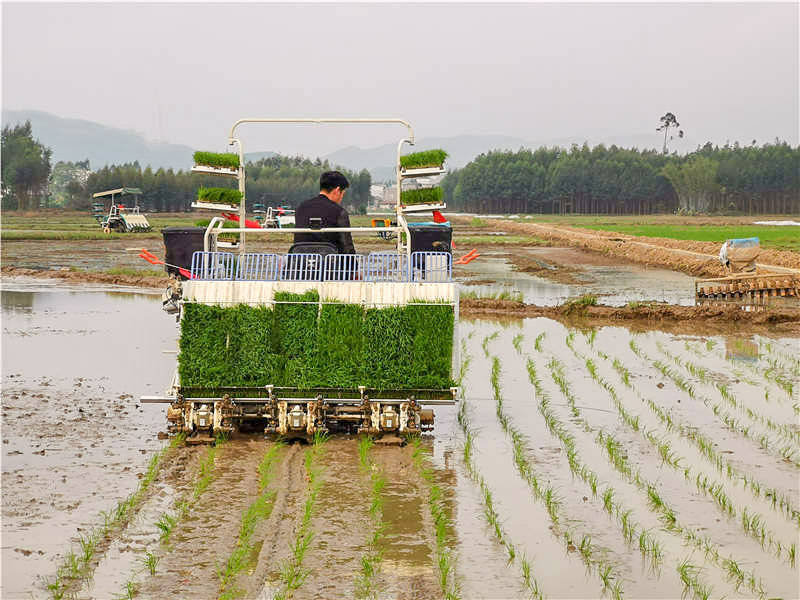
[[365, 585], [292, 572], [779, 501], [707, 377], [618, 459], [714, 490], [443, 554], [79, 566], [258, 511]]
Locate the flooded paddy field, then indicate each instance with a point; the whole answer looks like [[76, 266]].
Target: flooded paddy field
[[577, 464]]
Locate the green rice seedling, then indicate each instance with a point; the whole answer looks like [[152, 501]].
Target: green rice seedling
[[517, 342], [166, 523], [150, 562], [218, 195], [487, 340], [130, 590], [792, 553], [605, 576], [578, 305], [585, 549], [608, 499], [88, 545], [227, 160], [509, 295], [537, 344], [432, 195], [423, 159], [292, 572]]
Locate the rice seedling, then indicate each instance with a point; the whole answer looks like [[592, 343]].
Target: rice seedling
[[425, 158], [666, 513], [227, 160], [508, 295], [166, 523], [80, 566], [537, 344], [371, 560], [150, 562], [490, 514], [292, 572], [445, 560], [217, 195], [517, 342], [487, 340], [259, 510], [432, 195], [130, 590]]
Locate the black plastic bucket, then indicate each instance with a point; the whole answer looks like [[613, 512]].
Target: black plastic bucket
[[181, 243], [430, 237]]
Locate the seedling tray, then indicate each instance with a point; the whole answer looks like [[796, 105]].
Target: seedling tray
[[215, 206], [223, 171]]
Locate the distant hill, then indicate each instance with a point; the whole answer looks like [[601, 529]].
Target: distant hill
[[76, 139]]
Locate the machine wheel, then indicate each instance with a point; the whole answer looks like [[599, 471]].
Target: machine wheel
[[106, 229]]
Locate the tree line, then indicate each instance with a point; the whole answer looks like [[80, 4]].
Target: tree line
[[611, 180], [600, 180], [30, 182]]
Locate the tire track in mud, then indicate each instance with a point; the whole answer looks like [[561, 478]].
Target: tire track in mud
[[408, 569], [339, 525], [275, 533], [200, 543]]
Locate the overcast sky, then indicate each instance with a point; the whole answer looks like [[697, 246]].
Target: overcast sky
[[184, 72]]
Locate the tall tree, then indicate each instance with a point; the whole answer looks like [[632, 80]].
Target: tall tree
[[667, 121], [26, 168]]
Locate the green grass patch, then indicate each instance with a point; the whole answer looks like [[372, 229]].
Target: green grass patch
[[217, 159], [426, 158], [421, 196], [510, 295], [778, 238]]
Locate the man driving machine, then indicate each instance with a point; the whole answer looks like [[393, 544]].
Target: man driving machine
[[325, 210]]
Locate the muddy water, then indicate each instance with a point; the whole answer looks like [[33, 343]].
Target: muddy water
[[75, 361], [614, 282], [74, 436]]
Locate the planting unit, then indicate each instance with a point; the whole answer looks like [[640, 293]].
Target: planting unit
[[313, 341]]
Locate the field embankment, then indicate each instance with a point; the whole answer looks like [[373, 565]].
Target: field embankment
[[696, 258]]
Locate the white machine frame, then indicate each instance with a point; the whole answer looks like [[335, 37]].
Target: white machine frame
[[403, 241]]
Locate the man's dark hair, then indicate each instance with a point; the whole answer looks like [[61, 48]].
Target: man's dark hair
[[330, 180]]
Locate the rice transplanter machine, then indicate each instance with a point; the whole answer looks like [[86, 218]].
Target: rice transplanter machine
[[415, 275]]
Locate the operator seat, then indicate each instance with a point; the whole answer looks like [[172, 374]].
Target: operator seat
[[310, 265]]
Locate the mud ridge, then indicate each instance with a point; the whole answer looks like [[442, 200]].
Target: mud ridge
[[694, 258], [647, 315], [88, 277]]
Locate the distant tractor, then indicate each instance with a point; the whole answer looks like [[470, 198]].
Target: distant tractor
[[120, 218]]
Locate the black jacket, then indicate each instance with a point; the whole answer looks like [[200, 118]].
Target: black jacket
[[332, 215]]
